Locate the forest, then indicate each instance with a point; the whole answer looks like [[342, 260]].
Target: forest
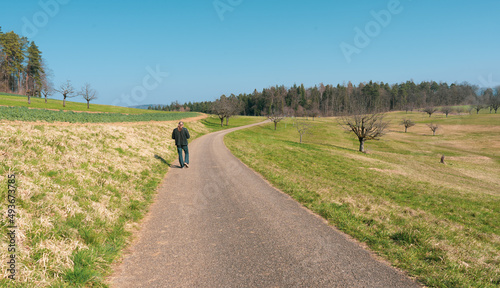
[[330, 100], [22, 68]]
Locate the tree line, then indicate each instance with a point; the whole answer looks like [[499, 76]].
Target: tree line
[[22, 68], [331, 100]]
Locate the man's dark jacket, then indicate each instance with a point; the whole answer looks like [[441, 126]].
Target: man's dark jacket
[[181, 136]]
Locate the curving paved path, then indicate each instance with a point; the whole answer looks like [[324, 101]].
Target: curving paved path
[[218, 224]]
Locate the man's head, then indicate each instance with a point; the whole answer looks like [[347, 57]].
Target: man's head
[[181, 124]]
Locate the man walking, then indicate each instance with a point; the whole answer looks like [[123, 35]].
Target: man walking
[[180, 135]]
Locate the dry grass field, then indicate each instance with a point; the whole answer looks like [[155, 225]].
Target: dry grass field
[[81, 190]]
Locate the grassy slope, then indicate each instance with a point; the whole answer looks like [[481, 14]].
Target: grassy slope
[[213, 122], [81, 191], [9, 100], [438, 222]]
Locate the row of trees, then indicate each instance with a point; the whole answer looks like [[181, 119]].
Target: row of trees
[[22, 69], [68, 91], [332, 100]]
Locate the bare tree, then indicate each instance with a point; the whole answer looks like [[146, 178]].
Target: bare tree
[[495, 103], [433, 128], [478, 107], [447, 110], [46, 79], [88, 93], [218, 109], [407, 123], [366, 126], [314, 112], [302, 126], [47, 90], [233, 107], [67, 90], [276, 118], [495, 100], [430, 110]]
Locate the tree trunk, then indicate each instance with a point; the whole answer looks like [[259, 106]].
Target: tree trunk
[[64, 102], [29, 99], [88, 104], [433, 133], [222, 122], [45, 98], [406, 128], [227, 121], [275, 124], [362, 145], [300, 138]]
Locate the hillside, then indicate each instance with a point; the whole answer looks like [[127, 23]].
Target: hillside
[[438, 222]]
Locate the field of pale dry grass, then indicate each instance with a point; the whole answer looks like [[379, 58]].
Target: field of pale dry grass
[[81, 187]]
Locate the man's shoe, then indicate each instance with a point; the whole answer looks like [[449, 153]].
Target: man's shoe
[[186, 165]]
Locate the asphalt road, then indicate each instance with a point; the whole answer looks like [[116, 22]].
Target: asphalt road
[[218, 224]]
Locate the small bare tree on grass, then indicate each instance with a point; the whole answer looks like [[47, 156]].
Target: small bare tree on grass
[[430, 110], [365, 127], [47, 91], [67, 91], [302, 126], [433, 127], [407, 123], [276, 118], [88, 94], [447, 110], [479, 107], [219, 109], [47, 84], [226, 107], [495, 100]]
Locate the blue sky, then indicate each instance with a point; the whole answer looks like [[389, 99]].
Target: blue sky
[[156, 51]]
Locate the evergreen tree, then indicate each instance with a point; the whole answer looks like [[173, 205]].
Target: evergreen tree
[[13, 55], [34, 71]]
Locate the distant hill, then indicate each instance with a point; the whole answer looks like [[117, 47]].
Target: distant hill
[[145, 106]]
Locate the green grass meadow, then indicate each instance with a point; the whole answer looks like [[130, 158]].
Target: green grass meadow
[[213, 122], [16, 108], [39, 103], [439, 222]]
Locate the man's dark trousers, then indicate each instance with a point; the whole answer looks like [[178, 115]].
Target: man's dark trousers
[[186, 152]]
